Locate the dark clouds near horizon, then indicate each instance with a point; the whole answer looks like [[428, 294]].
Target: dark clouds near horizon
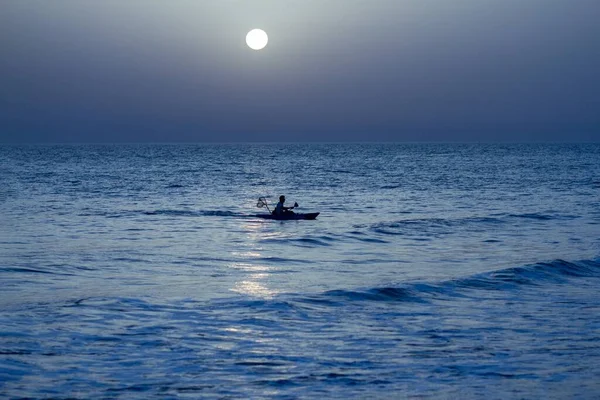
[[334, 70]]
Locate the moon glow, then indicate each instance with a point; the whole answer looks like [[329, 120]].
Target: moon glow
[[257, 39]]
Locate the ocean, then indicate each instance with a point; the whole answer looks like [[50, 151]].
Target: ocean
[[137, 271]]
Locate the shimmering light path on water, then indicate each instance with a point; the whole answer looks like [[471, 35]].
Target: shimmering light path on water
[[433, 271]]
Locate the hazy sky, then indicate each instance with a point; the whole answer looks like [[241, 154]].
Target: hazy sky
[[334, 70]]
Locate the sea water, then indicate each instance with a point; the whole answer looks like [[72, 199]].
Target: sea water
[[433, 271]]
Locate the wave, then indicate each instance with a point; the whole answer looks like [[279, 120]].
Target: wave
[[316, 241], [198, 213], [306, 241], [539, 274], [429, 225], [24, 270], [165, 212], [443, 226], [542, 217]]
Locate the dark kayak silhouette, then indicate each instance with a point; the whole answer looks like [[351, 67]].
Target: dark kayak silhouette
[[283, 216], [288, 216]]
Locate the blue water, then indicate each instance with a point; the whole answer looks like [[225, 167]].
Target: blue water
[[433, 271]]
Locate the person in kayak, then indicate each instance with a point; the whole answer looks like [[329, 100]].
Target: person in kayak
[[280, 209]]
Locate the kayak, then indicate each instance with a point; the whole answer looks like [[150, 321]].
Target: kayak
[[288, 216]]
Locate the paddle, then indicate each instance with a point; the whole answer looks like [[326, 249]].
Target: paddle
[[262, 202]]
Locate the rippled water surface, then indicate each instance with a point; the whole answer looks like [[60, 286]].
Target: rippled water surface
[[433, 271]]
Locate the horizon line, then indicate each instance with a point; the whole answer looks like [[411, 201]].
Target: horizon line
[[505, 142]]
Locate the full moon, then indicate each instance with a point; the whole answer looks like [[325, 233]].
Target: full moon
[[257, 39]]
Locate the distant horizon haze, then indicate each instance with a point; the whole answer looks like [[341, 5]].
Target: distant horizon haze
[[335, 71]]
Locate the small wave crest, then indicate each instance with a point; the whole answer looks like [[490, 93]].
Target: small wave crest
[[434, 226], [378, 294], [542, 217], [444, 226], [198, 213], [539, 274]]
